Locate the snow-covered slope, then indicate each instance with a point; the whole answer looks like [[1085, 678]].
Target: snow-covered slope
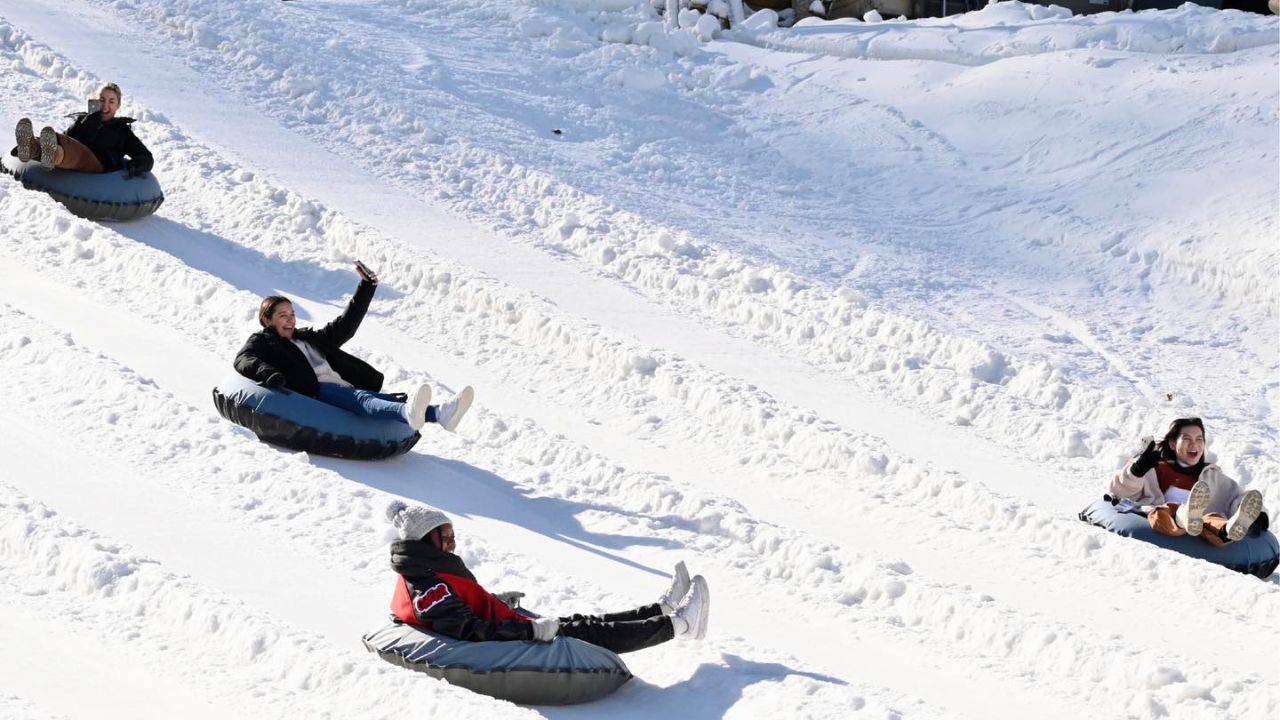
[[853, 317]]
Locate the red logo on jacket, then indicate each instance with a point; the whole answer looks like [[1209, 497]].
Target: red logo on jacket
[[431, 597]]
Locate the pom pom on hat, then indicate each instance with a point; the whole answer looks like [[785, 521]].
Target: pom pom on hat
[[414, 522]]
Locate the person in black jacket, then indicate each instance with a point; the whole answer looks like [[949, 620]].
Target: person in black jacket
[[96, 142], [435, 590], [312, 362]]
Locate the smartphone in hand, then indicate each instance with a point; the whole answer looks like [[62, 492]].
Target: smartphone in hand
[[373, 276], [94, 105]]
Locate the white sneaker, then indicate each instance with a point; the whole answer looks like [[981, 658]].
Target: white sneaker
[[679, 588], [692, 613], [450, 413], [1191, 513], [1249, 510], [415, 411], [24, 134]]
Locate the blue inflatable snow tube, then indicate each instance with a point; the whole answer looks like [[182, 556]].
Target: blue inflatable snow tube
[[96, 196], [565, 671], [295, 421], [1254, 554]]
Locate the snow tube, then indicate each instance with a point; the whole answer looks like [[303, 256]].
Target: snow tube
[[96, 196], [565, 671], [1254, 554], [299, 422]]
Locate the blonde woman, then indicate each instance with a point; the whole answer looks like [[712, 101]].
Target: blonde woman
[[99, 141]]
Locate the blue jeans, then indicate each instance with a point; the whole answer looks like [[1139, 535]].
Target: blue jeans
[[361, 402]]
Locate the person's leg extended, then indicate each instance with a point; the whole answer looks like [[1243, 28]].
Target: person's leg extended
[[1215, 530], [620, 636], [74, 155], [1162, 520], [361, 402], [641, 613]]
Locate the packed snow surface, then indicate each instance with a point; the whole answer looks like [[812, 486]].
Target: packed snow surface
[[852, 317]]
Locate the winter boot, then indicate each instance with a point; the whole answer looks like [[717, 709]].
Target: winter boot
[[450, 413], [690, 619], [679, 588], [48, 147], [1191, 513], [1249, 510], [24, 135], [415, 411]]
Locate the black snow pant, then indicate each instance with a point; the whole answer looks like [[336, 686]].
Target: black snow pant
[[621, 632]]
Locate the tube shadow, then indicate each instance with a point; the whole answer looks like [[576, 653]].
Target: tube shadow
[[712, 690], [462, 490], [245, 268]]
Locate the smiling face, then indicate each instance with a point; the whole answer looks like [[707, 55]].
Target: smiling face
[[110, 103], [282, 320], [1188, 445], [443, 538]]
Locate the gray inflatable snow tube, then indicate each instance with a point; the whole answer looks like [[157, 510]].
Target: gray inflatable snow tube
[[1254, 554], [96, 196], [565, 671], [298, 422]]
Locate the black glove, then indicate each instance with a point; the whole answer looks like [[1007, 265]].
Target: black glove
[[274, 380], [133, 168], [1147, 461]]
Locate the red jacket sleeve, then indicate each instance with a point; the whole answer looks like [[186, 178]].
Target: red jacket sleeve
[[449, 607]]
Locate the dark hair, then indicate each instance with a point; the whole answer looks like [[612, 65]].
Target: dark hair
[[268, 308], [1175, 429]]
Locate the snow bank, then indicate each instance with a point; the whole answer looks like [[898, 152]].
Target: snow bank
[[1012, 29]]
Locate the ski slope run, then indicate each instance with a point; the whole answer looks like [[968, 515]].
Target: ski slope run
[[867, 414]]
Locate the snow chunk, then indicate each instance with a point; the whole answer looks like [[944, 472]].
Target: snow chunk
[[645, 79], [757, 284], [989, 366], [761, 20], [668, 245], [644, 365], [707, 28]]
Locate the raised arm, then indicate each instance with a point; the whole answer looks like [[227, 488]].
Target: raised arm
[[343, 328], [1135, 480]]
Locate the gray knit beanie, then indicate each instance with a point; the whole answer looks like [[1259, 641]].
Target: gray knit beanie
[[414, 522]]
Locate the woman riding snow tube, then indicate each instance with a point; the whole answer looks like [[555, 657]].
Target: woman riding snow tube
[[449, 626], [1168, 495], [98, 168]]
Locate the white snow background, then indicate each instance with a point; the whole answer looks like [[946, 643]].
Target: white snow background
[[852, 317]]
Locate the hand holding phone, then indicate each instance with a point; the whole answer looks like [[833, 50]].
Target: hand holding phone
[[94, 105], [366, 273]]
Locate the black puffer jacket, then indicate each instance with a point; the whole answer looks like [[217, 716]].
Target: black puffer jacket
[[266, 353], [111, 141]]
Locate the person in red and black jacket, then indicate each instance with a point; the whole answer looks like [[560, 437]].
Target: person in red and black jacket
[[437, 592], [1182, 494]]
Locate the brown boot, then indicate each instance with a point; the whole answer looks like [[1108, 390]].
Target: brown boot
[[48, 147], [24, 135]]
